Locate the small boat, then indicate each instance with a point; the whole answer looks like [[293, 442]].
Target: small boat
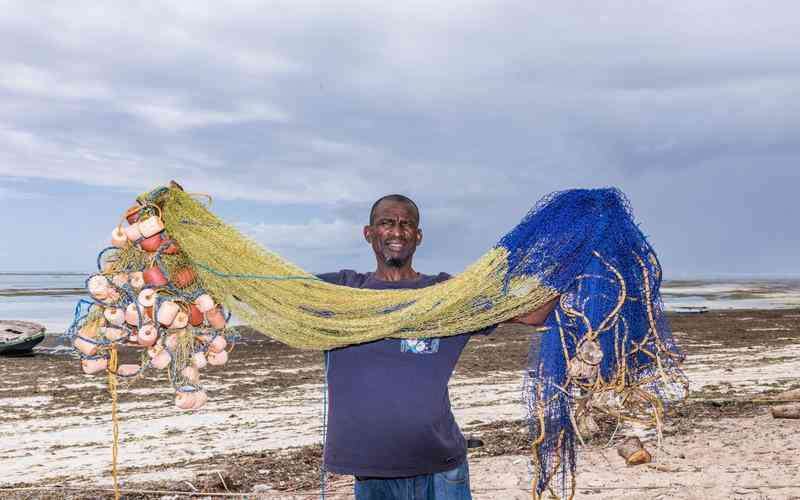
[[19, 337]]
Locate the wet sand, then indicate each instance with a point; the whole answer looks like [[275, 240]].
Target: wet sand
[[262, 426]]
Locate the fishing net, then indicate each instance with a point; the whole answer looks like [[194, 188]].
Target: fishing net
[[607, 349]]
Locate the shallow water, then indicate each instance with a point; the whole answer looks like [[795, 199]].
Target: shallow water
[[50, 299], [41, 281], [743, 294], [53, 311], [46, 298]]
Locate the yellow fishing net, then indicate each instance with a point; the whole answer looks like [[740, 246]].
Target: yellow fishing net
[[280, 299]]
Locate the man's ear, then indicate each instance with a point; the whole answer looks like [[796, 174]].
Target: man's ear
[[419, 236], [368, 233]]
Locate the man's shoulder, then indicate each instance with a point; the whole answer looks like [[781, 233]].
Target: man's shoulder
[[345, 277], [442, 276], [351, 278]]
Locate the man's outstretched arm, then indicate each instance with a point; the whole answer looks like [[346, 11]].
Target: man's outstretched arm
[[538, 316]]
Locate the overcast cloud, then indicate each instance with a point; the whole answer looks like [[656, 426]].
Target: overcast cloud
[[295, 116]]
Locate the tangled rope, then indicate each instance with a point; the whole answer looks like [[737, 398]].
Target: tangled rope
[[112, 390]]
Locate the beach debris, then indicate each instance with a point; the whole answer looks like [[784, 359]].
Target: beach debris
[[634, 453], [787, 396], [587, 426], [691, 309], [786, 411], [147, 295]]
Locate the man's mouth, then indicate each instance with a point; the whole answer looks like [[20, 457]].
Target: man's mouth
[[395, 246]]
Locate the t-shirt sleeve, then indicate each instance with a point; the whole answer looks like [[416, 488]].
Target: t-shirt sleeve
[[345, 277], [334, 278]]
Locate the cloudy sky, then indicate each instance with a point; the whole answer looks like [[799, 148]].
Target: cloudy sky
[[296, 115]]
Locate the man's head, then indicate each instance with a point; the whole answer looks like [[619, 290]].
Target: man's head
[[393, 230]]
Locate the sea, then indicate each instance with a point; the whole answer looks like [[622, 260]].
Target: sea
[[49, 298]]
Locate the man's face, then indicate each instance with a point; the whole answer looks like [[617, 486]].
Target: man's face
[[394, 234]]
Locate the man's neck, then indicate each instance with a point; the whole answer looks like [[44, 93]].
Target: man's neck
[[388, 273]]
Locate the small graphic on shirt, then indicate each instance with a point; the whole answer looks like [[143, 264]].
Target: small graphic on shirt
[[419, 346]]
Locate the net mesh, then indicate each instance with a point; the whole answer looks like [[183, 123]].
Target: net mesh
[[607, 348]]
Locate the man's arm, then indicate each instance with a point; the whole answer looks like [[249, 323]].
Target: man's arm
[[538, 316]]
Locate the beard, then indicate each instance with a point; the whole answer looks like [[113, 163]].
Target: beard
[[395, 262]]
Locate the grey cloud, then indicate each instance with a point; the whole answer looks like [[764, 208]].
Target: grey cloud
[[474, 110]]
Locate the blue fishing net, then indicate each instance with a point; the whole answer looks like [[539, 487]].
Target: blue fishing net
[[608, 347]]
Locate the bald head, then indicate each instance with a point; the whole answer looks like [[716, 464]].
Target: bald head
[[398, 198]]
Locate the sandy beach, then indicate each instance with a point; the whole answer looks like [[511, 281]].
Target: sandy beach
[[260, 434]]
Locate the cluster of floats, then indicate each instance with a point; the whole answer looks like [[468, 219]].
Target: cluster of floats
[[146, 295]]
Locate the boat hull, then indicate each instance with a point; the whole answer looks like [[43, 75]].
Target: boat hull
[[19, 337], [24, 346]]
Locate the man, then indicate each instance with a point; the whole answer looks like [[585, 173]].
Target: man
[[389, 421]]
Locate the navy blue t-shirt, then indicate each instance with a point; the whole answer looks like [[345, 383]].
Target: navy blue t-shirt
[[389, 408]]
